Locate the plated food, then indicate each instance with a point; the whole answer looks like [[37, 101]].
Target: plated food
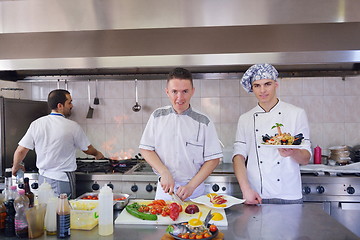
[[225, 202], [185, 231], [282, 138]]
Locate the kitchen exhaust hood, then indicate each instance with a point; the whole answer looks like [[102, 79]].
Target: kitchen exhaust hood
[[51, 38]]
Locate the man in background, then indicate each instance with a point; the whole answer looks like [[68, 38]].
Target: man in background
[[55, 140]]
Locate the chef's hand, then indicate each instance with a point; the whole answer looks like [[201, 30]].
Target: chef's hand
[[99, 155], [251, 197], [167, 182], [287, 152], [16, 168], [184, 192]]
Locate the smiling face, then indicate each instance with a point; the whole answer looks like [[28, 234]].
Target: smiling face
[[265, 92], [180, 92]]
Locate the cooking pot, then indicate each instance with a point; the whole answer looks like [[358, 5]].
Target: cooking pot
[[340, 154]]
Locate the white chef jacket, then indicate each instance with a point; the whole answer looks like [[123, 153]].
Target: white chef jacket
[[55, 140], [183, 141], [270, 174]]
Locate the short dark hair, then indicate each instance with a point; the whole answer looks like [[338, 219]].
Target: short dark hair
[[57, 96], [180, 73]]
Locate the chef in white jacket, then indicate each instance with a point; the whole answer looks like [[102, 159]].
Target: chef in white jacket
[[267, 174]]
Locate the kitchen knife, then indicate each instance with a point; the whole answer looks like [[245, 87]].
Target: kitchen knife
[[176, 198]]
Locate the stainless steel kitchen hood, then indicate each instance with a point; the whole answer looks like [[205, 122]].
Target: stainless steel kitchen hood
[[127, 37]]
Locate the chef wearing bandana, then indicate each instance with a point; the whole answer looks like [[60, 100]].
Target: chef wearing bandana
[[265, 174]]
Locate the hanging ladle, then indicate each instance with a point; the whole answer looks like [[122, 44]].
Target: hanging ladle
[[136, 107]]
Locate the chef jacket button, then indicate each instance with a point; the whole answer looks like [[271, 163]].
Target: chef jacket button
[[257, 130], [279, 112], [260, 161], [278, 180], [278, 162], [258, 146], [256, 115]]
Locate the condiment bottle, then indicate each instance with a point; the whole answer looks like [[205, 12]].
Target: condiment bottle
[[2, 213], [45, 192], [317, 155], [63, 217], [21, 206], [28, 192], [106, 196], [8, 183], [50, 216], [13, 193], [10, 218]]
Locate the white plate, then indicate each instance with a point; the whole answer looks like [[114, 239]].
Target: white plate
[[230, 201], [283, 146]]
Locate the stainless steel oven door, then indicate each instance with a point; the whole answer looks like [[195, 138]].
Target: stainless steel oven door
[[348, 214]]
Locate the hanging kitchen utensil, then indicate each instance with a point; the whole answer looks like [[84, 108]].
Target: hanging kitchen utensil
[[96, 99], [136, 107], [91, 110], [66, 85]]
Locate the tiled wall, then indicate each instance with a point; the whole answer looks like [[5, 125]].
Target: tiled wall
[[332, 105]]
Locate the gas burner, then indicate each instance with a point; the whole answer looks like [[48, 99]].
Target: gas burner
[[93, 166], [90, 165]]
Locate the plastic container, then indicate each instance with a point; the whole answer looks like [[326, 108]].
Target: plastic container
[[13, 192], [35, 218], [50, 216], [317, 155], [20, 177], [44, 193], [63, 217], [106, 225], [84, 214], [21, 205]]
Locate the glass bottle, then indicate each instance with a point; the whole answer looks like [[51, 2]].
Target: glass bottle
[[106, 226], [8, 184], [21, 206], [63, 217], [10, 218], [2, 213], [28, 192]]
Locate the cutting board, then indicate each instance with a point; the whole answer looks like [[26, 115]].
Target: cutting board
[[125, 218]]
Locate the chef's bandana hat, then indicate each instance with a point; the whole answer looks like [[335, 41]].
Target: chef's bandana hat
[[258, 72]]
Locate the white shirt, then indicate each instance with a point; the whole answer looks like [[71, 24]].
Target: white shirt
[[183, 142], [270, 174], [55, 140]]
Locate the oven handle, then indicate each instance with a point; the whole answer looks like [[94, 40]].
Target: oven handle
[[349, 206]]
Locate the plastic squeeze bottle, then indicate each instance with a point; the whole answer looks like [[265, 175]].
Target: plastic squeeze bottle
[[63, 217], [21, 205], [50, 216], [106, 196], [317, 155]]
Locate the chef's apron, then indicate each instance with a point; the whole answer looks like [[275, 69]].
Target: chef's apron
[[160, 194]]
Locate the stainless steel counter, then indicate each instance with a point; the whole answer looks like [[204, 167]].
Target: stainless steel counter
[[306, 221]]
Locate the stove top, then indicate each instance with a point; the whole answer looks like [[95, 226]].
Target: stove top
[[90, 165]]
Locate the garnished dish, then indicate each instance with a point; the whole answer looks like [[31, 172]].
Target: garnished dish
[[215, 200], [194, 229], [282, 138]]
